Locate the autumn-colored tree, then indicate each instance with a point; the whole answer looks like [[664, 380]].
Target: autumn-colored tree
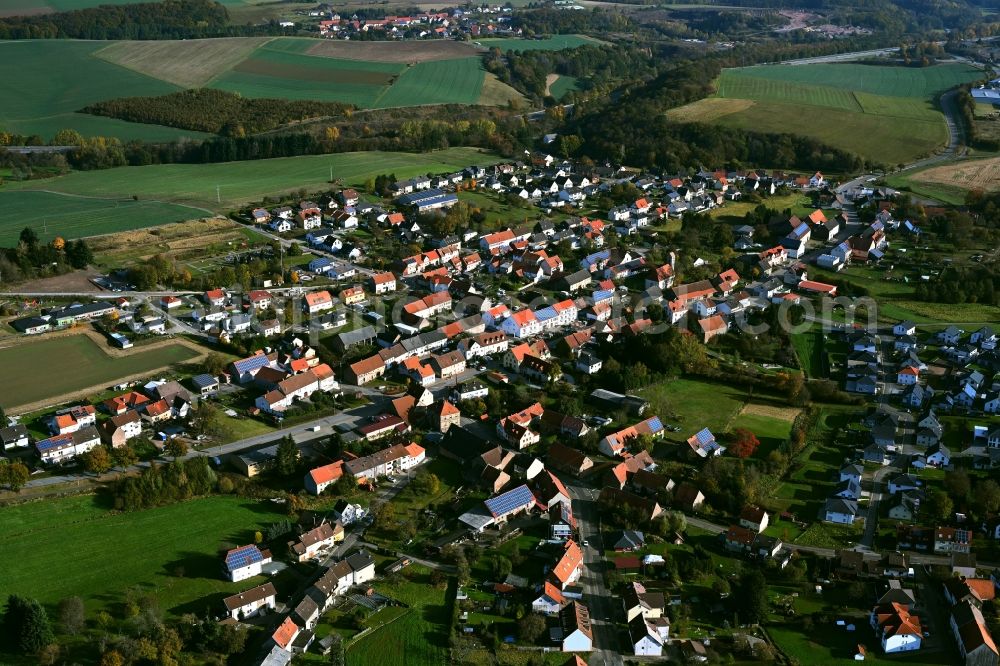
[[744, 443], [58, 243], [332, 133]]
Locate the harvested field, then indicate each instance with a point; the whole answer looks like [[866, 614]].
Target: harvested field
[[970, 175], [188, 63], [497, 93], [770, 411], [708, 109], [402, 52], [73, 282], [175, 241]]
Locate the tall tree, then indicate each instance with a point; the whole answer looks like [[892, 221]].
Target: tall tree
[[287, 457], [26, 624], [751, 597], [13, 475], [176, 448], [72, 615], [97, 460], [124, 456]]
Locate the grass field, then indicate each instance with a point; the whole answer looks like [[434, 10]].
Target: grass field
[[51, 367], [882, 113], [307, 69], [51, 215], [694, 404], [416, 639], [242, 182], [562, 85], [553, 43], [111, 551], [39, 93]]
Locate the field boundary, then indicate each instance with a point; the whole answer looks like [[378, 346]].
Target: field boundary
[[101, 342]]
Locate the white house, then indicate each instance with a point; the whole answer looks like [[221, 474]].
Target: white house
[[245, 562], [841, 511], [896, 629], [577, 635], [251, 602]]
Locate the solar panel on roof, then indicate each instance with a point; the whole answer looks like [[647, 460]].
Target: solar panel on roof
[[545, 313], [655, 425], [510, 500], [251, 363], [705, 436]]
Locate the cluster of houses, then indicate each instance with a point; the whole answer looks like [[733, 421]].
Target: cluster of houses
[[457, 23], [222, 314], [76, 430], [388, 462], [295, 632], [747, 538], [65, 316], [894, 620], [284, 377]]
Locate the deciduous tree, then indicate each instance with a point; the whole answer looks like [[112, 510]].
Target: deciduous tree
[[744, 444]]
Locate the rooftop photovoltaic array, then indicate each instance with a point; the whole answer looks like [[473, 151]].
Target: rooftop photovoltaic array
[[510, 500], [243, 556]]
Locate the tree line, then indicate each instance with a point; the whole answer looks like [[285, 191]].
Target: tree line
[[169, 19], [32, 258], [216, 111]]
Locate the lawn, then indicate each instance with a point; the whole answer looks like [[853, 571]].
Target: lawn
[[814, 473], [884, 113], [97, 554], [50, 367], [239, 183], [417, 638], [51, 214], [810, 347], [39, 94], [553, 43], [693, 404], [828, 644]]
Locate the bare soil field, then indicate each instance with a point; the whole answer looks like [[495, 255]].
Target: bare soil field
[[75, 282], [405, 52], [189, 63], [771, 411], [970, 175], [288, 71]]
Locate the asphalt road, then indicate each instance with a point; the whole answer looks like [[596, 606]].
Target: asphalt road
[[602, 605]]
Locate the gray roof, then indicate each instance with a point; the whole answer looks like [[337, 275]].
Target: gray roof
[[357, 336]]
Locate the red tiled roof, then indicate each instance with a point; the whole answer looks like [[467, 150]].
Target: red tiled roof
[[286, 633], [327, 473]]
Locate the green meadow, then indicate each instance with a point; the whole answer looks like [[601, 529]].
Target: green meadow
[[885, 114], [242, 182]]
